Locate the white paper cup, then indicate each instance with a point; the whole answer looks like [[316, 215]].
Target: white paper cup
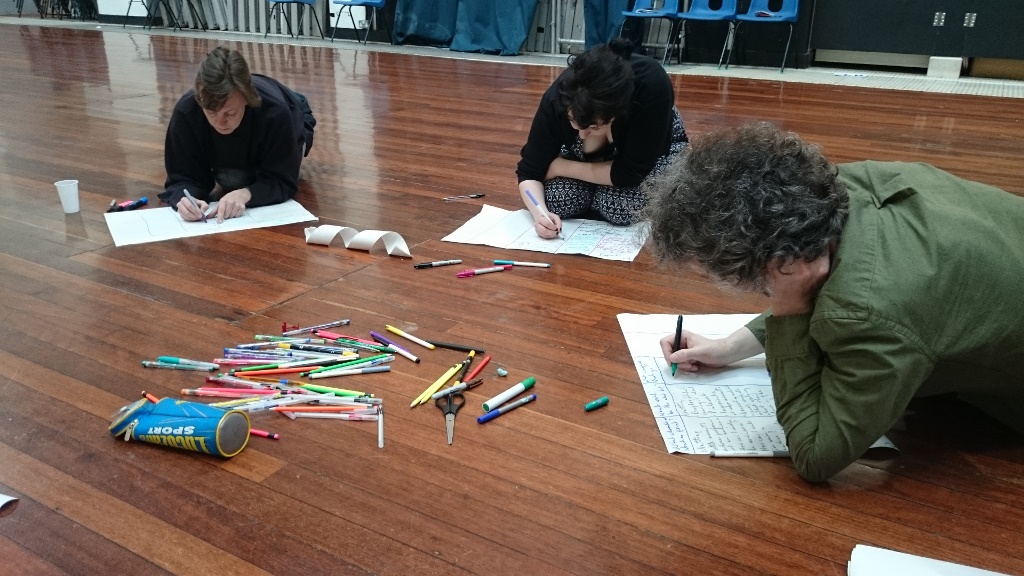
[[68, 191]]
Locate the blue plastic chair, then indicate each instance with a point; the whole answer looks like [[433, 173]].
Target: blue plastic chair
[[646, 9], [759, 12], [701, 10], [374, 5], [303, 5]]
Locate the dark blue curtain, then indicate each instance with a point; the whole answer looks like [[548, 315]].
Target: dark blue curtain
[[493, 26], [602, 20], [425, 22]]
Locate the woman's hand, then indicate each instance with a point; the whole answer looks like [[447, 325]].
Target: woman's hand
[[543, 227]]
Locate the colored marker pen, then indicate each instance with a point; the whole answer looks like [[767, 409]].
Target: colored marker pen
[[507, 408], [478, 271], [509, 394], [516, 263], [435, 264], [602, 401]]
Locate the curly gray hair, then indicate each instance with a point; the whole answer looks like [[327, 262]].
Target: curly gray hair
[[740, 198]]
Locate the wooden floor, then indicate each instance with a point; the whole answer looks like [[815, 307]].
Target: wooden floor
[[548, 489]]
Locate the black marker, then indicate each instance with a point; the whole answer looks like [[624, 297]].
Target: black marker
[[438, 263], [463, 197]]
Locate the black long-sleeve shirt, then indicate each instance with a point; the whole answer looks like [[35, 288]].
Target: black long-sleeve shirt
[[266, 148], [643, 136]]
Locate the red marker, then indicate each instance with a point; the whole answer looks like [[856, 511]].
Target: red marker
[[470, 273]]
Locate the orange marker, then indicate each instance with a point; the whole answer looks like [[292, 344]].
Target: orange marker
[[478, 368], [150, 397]]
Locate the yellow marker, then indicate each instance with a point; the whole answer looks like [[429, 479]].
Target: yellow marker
[[410, 337], [437, 384], [245, 400]]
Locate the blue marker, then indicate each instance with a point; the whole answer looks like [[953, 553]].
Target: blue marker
[[506, 408]]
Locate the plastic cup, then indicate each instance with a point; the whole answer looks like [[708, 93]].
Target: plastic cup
[[68, 191]]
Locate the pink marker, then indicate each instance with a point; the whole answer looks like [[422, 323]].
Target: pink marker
[[470, 273]]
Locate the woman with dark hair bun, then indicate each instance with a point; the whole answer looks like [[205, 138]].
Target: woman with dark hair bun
[[607, 123]]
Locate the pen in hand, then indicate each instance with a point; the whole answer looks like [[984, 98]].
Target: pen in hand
[[679, 337], [544, 213], [194, 204]]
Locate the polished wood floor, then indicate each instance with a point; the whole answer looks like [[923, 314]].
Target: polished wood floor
[[546, 490]]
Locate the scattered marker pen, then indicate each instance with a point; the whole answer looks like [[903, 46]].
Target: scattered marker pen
[[436, 264], [602, 401], [462, 197], [314, 328], [506, 408], [515, 263], [264, 434], [750, 454], [509, 394], [478, 271]]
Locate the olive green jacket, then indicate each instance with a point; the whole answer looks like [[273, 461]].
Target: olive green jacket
[[925, 295]]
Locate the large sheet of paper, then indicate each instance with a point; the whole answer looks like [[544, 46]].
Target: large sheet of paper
[[506, 229], [156, 224], [728, 409], [871, 561]]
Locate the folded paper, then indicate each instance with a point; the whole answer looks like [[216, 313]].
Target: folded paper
[[7, 504], [356, 240]]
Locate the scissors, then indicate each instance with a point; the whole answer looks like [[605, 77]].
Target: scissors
[[450, 404]]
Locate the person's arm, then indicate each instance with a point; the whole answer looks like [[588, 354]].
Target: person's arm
[[544, 142], [593, 172], [696, 351], [183, 157], [835, 400], [544, 228], [280, 155]]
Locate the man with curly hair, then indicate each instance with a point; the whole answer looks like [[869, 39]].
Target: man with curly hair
[[886, 281]]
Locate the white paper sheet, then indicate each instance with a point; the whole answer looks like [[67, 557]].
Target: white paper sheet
[[506, 229], [871, 561], [157, 224], [356, 240], [729, 409], [7, 504]]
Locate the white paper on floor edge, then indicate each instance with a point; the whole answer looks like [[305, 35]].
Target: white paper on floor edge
[[7, 504], [356, 240]]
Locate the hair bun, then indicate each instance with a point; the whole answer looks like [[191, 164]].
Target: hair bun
[[622, 47]]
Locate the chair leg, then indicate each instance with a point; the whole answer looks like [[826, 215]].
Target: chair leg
[[287, 20], [317, 20], [337, 19], [126, 13], [195, 14], [730, 38], [270, 18], [170, 15], [384, 18], [354, 28], [785, 54]]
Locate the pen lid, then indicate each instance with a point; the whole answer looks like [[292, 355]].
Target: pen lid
[[528, 383]]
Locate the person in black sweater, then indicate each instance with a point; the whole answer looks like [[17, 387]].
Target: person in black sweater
[[605, 124], [237, 139]]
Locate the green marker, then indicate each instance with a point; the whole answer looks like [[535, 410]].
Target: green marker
[[602, 401]]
